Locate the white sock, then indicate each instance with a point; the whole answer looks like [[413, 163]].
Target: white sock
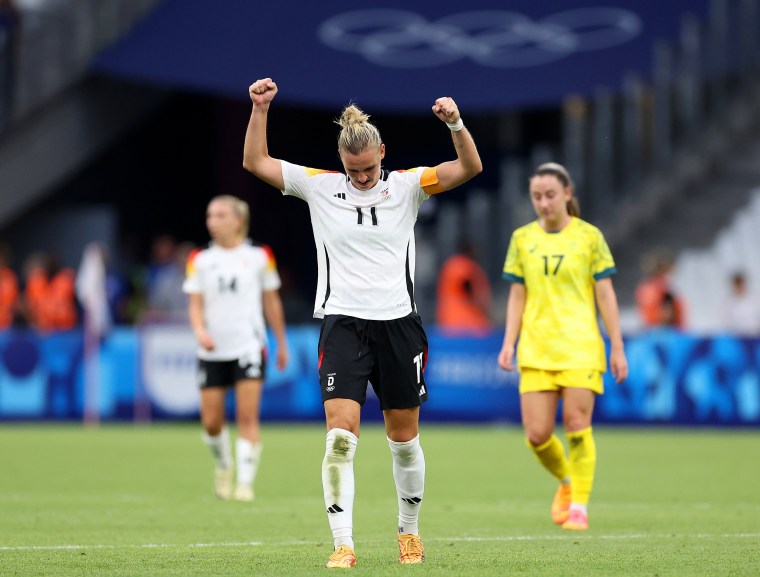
[[409, 474], [579, 507], [338, 485], [248, 456], [220, 448]]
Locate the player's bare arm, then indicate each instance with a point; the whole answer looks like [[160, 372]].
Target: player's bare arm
[[515, 310], [195, 312], [256, 159], [274, 313], [608, 308], [468, 164]]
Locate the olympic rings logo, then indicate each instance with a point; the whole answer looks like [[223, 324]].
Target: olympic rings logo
[[496, 38]]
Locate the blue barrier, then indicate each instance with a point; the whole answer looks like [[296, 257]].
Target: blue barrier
[[675, 378], [678, 378]]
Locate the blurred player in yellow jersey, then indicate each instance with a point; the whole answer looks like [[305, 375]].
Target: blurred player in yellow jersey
[[560, 268]]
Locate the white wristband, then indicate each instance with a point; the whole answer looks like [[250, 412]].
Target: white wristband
[[456, 126]]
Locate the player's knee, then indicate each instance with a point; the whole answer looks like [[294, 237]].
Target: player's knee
[[340, 446], [406, 451], [538, 436], [576, 422], [403, 434], [212, 427], [344, 421]]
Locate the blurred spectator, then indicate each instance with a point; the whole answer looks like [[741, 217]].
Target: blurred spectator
[[166, 300], [143, 278], [657, 303], [35, 287], [162, 253], [117, 294], [133, 283], [10, 28], [464, 293], [49, 297], [741, 311], [9, 295]]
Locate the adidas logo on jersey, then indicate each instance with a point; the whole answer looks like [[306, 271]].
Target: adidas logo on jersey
[[341, 195]]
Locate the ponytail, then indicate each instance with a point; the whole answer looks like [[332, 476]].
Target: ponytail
[[573, 207], [357, 132]]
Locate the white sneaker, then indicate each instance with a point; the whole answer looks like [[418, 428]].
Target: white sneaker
[[243, 493], [223, 483]]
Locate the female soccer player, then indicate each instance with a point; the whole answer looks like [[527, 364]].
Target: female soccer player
[[363, 224], [560, 267], [232, 286]]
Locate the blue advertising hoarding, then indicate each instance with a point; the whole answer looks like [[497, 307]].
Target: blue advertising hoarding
[[149, 373]]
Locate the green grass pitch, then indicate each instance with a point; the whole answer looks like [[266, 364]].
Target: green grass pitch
[[136, 500]]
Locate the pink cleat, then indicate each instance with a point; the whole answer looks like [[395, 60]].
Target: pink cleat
[[577, 521]]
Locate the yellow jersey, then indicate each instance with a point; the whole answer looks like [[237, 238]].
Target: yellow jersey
[[559, 329]]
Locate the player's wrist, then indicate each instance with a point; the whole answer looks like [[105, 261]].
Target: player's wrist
[[456, 126]]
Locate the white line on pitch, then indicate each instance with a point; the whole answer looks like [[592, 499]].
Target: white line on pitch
[[575, 537], [144, 546], [449, 539]]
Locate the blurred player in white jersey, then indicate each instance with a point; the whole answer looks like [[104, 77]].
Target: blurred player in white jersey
[[363, 224], [232, 286]]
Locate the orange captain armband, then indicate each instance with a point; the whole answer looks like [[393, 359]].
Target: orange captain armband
[[429, 181]]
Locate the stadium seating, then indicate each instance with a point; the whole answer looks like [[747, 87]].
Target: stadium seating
[[702, 275]]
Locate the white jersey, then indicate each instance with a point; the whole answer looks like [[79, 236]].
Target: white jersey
[[231, 282], [364, 240]]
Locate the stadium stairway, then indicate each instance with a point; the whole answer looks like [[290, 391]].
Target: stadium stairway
[[60, 116], [687, 206], [64, 135]]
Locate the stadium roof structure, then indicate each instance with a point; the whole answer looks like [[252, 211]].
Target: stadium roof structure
[[490, 55]]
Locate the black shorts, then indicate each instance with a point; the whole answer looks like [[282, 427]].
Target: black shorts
[[389, 354], [227, 373]]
